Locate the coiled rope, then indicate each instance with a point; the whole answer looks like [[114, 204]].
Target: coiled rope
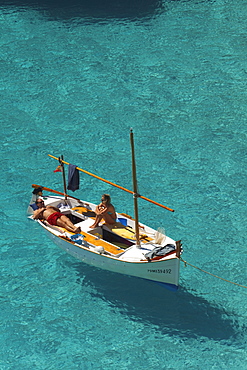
[[206, 272]]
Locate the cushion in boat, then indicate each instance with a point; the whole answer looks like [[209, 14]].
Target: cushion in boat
[[34, 206]]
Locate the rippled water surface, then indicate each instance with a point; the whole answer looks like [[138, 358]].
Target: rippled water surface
[[75, 76]]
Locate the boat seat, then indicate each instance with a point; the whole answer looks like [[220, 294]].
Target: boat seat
[[125, 232], [121, 230], [34, 206], [84, 211]]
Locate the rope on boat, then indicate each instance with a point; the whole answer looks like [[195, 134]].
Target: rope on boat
[[206, 272]]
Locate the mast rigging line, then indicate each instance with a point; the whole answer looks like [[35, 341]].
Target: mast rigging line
[[209, 273]]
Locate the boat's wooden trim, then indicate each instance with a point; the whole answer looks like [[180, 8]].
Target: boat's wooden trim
[[96, 241]]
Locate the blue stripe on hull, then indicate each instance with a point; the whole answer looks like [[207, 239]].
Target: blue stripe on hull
[[168, 286]]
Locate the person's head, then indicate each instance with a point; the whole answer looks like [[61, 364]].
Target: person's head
[[40, 203], [106, 198]]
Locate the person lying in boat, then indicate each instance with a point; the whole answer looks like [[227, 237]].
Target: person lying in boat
[[105, 211], [53, 216]]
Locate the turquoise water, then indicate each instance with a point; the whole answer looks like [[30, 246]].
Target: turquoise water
[[75, 76]]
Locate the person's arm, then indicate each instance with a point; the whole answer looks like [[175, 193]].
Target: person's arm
[[108, 208], [100, 209], [55, 208], [37, 213]]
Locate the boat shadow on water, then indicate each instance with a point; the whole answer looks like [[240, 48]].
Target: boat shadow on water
[[93, 9], [180, 313]]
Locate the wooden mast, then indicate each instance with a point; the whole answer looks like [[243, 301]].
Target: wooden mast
[[136, 195], [63, 174]]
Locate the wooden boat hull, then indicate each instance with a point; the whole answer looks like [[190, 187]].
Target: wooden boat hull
[[120, 244], [113, 247], [165, 272]]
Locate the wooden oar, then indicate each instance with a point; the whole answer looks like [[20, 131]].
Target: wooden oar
[[53, 191], [117, 186]]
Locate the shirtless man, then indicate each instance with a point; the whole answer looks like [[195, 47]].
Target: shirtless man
[[53, 216], [105, 211]]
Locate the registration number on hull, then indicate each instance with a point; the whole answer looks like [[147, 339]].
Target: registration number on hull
[[160, 271]]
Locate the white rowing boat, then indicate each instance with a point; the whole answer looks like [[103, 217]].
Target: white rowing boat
[[127, 246]]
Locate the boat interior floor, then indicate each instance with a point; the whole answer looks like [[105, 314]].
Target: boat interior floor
[[115, 238]]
